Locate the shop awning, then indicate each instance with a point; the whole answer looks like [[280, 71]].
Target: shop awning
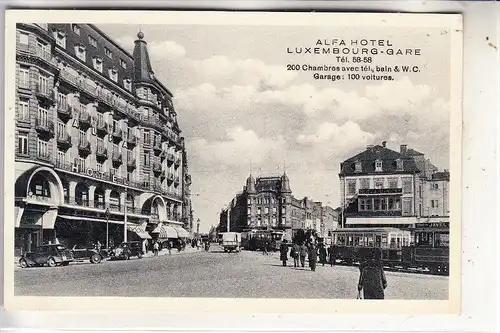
[[181, 232], [139, 230], [165, 231]]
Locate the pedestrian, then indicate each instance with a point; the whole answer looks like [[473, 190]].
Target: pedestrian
[[284, 252], [332, 255], [198, 244], [302, 254], [313, 257], [322, 254], [372, 277], [265, 247], [170, 245], [99, 246], [156, 247], [295, 254]]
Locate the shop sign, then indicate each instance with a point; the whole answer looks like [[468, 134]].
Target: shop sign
[[99, 174], [433, 225]]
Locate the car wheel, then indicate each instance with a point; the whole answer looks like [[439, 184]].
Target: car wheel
[[139, 255], [127, 257], [95, 259], [51, 262], [66, 263], [23, 263]]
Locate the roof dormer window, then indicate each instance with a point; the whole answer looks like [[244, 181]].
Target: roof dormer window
[[108, 53], [97, 62], [357, 166], [113, 74], [76, 29], [127, 83], [399, 164], [378, 165], [60, 37], [81, 52]]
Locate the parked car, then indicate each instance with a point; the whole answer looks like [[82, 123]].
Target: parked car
[[50, 255], [83, 252], [126, 250]]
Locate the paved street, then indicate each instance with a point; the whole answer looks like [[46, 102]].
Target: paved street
[[215, 274]]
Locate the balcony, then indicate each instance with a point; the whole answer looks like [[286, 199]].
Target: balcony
[[84, 146], [43, 91], [87, 88], [170, 158], [46, 56], [131, 163], [176, 180], [131, 139], [117, 158], [105, 98], [101, 152], [156, 167], [64, 110], [44, 157], [157, 146], [63, 140], [84, 119], [376, 191], [117, 133], [170, 177], [69, 78], [177, 162], [101, 126], [163, 175], [44, 126], [155, 218]]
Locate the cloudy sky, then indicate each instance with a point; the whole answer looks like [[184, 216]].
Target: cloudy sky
[[240, 110]]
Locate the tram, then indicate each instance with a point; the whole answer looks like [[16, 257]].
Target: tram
[[256, 239], [425, 248]]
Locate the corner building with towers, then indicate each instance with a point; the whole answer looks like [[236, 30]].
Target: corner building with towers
[[97, 143]]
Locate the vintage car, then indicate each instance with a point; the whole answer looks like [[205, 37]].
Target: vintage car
[[126, 250], [83, 252], [50, 255]]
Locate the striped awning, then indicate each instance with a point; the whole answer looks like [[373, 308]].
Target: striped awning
[[139, 230], [181, 232], [164, 231]]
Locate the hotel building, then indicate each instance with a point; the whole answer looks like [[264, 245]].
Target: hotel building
[[97, 141], [382, 187]]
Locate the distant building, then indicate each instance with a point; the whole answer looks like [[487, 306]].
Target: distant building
[[383, 187], [268, 203]]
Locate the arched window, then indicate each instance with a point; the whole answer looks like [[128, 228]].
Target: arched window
[[99, 198], [40, 186], [82, 194], [114, 200]]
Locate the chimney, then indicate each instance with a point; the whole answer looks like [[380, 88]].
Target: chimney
[[384, 143], [403, 149], [369, 147]]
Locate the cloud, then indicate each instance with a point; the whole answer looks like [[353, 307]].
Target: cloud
[[333, 133], [158, 51]]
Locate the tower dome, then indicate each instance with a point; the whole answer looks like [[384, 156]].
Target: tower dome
[[250, 184], [285, 184]]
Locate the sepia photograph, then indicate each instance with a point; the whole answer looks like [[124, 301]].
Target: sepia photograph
[[187, 159]]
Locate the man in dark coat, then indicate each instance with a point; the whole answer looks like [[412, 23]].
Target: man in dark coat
[[332, 255], [303, 254], [322, 254], [284, 252], [295, 254], [372, 277], [313, 257]]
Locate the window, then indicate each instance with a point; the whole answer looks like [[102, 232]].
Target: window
[[362, 206], [62, 100], [435, 203], [108, 53], [146, 158], [147, 137], [115, 149], [23, 111], [80, 52], [24, 77], [283, 210], [399, 164], [60, 37], [43, 83], [378, 183], [22, 144], [61, 158], [351, 187], [357, 167], [43, 116], [275, 210], [123, 64], [266, 210], [76, 29], [115, 125], [127, 83], [258, 211], [43, 148], [82, 137], [393, 183], [365, 183], [97, 61], [92, 41], [61, 128], [24, 38], [80, 163], [407, 206], [378, 165], [435, 186], [113, 74], [407, 187]]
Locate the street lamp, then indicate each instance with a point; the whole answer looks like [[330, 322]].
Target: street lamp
[[107, 228]]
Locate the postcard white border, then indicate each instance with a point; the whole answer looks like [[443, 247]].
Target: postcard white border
[[242, 306]]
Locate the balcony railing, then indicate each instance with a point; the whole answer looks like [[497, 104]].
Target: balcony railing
[[44, 91], [68, 77], [101, 151], [170, 158], [44, 125], [177, 162], [131, 163], [101, 126], [163, 174], [46, 56], [84, 118], [366, 191], [117, 133], [131, 139], [117, 157], [176, 180], [170, 177], [156, 167], [64, 109], [44, 156], [157, 146], [63, 140], [84, 146]]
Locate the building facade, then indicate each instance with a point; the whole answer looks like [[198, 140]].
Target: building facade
[[382, 187], [97, 140], [268, 203]]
